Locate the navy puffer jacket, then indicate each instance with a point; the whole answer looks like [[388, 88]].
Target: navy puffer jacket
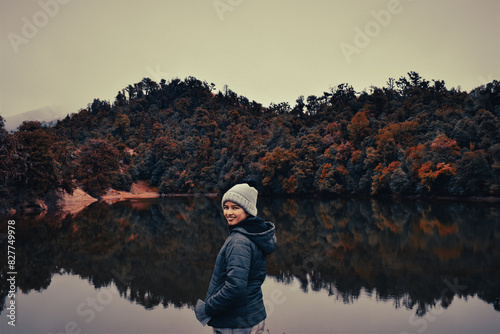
[[234, 297]]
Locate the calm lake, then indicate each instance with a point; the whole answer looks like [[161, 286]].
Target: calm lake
[[341, 266]]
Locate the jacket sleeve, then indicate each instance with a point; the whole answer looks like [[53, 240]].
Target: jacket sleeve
[[238, 259]]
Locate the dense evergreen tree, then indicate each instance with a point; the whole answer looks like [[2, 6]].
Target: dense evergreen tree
[[97, 166], [13, 163]]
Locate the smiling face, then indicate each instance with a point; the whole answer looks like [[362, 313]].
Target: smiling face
[[234, 213]]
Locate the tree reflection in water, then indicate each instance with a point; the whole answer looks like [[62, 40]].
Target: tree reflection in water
[[162, 251]]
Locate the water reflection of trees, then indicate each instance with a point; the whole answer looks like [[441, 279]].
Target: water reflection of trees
[[416, 254]]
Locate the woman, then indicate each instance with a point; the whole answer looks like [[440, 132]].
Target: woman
[[234, 301]]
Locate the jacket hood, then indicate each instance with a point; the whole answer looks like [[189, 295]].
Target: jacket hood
[[262, 233]]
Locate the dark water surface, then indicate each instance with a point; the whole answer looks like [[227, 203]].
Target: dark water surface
[[341, 266]]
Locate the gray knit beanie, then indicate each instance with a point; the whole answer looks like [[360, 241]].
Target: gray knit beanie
[[243, 195]]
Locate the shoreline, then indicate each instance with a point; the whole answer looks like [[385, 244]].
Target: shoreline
[[79, 200]]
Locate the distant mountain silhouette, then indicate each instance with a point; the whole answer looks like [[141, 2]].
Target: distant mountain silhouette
[[48, 114]]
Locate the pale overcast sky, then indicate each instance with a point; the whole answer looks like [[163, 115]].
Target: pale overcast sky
[[65, 53]]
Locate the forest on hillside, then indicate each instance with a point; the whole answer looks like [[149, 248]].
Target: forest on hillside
[[413, 137]]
